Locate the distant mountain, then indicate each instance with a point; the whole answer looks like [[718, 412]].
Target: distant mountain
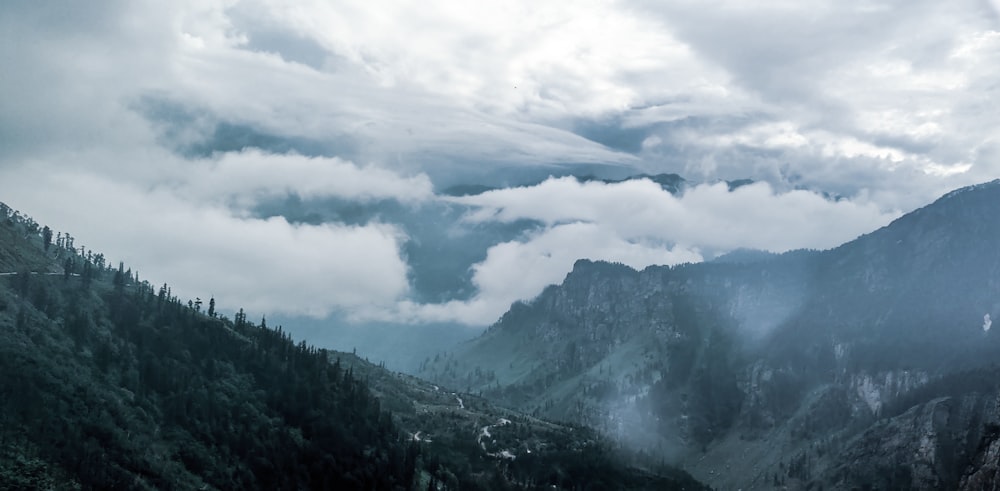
[[744, 256], [738, 183], [441, 250], [107, 382], [466, 190], [672, 183], [781, 371]]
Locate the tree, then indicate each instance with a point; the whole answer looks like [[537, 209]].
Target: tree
[[88, 274], [23, 280], [119, 279], [47, 237]]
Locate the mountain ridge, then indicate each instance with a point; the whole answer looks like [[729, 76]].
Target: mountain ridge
[[787, 356], [108, 382]]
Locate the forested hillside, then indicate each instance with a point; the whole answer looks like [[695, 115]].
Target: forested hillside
[[107, 382]]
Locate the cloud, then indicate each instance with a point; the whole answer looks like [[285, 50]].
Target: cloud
[[396, 100], [250, 176], [636, 223], [520, 270], [264, 265], [442, 86], [707, 216], [85, 84], [69, 70], [539, 60], [194, 112], [875, 96]]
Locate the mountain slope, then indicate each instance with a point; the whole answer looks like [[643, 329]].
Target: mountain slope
[[746, 371], [107, 383]]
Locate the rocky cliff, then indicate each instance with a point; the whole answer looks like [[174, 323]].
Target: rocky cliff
[[775, 371]]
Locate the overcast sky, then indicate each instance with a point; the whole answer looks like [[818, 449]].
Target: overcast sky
[[155, 132]]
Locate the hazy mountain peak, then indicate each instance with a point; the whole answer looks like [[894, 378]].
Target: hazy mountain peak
[[792, 359]]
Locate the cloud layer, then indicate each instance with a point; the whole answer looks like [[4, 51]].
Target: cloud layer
[[156, 132], [708, 216], [639, 224], [202, 247]]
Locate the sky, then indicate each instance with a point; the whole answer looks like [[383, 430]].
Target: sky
[[296, 158]]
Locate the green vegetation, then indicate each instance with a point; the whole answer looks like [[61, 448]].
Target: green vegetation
[[107, 382]]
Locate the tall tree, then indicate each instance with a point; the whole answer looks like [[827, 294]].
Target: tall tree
[[46, 237], [119, 279]]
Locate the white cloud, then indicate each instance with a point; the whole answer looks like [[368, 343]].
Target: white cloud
[[264, 265], [539, 59], [520, 270], [402, 93], [884, 94], [639, 224], [706, 216], [886, 104], [248, 176]]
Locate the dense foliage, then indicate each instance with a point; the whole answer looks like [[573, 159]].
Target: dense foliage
[[107, 382], [120, 386]]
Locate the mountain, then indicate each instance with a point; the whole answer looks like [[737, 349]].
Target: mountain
[[107, 382], [868, 365], [672, 183], [442, 248]]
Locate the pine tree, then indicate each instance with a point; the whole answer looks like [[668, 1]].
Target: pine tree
[[47, 237], [119, 279]]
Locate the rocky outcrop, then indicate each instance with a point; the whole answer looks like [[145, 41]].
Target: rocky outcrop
[[984, 472], [829, 367], [945, 443]]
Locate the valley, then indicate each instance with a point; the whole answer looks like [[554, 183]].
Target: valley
[[777, 370], [870, 364], [107, 382], [498, 246]]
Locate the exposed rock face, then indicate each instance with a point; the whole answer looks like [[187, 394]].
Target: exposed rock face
[[877, 390], [984, 472], [787, 368], [945, 443]]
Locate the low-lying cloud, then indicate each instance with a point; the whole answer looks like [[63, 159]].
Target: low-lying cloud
[[853, 114], [250, 176], [707, 216], [639, 224], [520, 270], [203, 247]]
